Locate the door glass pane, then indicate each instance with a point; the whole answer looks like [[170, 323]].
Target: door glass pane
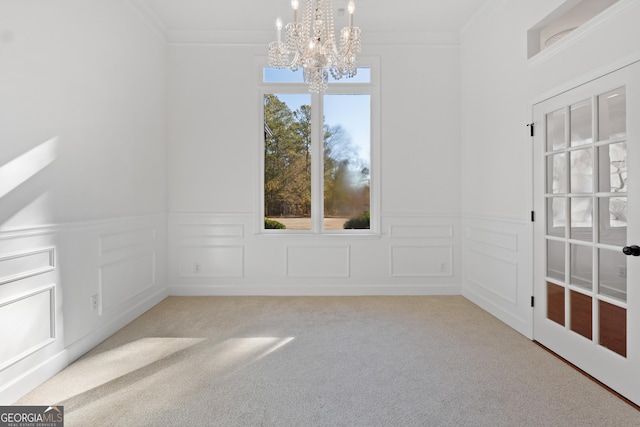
[[347, 161], [582, 170], [613, 220], [581, 123], [287, 161], [582, 266], [612, 176], [556, 174], [612, 114], [582, 218], [555, 260], [556, 216], [556, 130], [613, 274]]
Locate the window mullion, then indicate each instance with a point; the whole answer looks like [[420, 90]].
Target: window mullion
[[317, 181]]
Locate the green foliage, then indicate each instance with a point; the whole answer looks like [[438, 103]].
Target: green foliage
[[358, 222], [270, 224]]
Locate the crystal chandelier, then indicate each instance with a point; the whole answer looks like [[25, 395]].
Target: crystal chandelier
[[311, 44]]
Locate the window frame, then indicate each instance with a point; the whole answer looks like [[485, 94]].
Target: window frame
[[372, 89]]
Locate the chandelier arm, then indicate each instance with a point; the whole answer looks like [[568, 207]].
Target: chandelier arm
[[312, 45]]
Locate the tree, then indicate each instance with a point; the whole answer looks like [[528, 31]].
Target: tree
[[287, 165]]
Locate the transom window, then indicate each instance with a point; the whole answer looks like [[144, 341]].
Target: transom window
[[317, 151]]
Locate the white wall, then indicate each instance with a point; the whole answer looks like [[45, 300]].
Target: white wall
[[82, 180], [214, 133], [499, 85]]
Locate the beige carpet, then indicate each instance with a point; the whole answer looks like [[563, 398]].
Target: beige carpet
[[325, 361]]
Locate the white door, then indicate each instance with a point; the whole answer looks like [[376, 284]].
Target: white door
[[587, 203]]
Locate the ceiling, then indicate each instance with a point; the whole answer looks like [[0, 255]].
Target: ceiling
[[254, 20]]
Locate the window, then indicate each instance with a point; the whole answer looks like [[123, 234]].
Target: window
[[317, 169]]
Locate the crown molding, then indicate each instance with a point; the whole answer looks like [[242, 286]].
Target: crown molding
[[178, 36]]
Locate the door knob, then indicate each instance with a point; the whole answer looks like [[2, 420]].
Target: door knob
[[631, 250]]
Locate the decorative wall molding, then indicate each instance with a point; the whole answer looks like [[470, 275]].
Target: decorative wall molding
[[18, 266], [493, 274], [421, 261], [210, 255], [499, 239], [498, 269], [421, 231], [122, 280], [126, 239], [318, 261], [211, 230], [210, 261], [25, 338]]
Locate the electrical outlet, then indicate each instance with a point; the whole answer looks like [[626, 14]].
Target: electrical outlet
[[94, 302], [196, 267], [443, 267], [622, 271]]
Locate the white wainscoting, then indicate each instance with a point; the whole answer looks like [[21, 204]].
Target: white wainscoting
[[497, 268], [50, 277], [223, 254], [318, 261], [21, 339]]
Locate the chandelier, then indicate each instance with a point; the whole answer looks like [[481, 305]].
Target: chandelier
[[311, 45]]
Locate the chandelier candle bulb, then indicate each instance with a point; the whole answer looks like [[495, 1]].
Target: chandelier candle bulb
[[279, 29], [311, 44], [351, 8]]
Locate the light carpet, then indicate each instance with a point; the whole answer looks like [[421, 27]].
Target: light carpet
[[325, 361]]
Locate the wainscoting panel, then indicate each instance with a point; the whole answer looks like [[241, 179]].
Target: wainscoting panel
[[222, 253], [117, 241], [211, 230], [124, 279], [211, 261], [22, 265], [318, 261], [421, 261], [495, 275], [498, 268], [34, 330], [69, 286], [421, 231]]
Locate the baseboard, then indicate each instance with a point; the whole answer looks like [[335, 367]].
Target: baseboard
[[32, 378], [350, 290], [495, 310]]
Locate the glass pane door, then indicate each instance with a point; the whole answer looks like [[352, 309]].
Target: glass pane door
[[586, 218]]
